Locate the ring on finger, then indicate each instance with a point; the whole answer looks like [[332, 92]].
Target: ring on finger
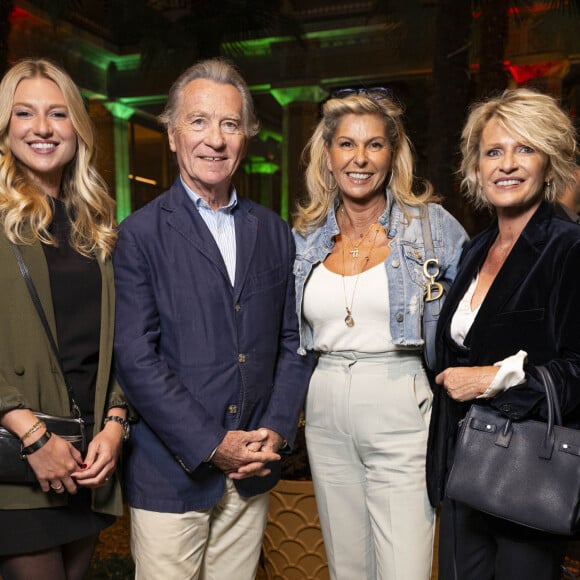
[[57, 488]]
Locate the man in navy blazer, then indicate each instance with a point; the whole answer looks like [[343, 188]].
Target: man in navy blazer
[[206, 344]]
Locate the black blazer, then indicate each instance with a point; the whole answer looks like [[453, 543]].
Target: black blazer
[[532, 305]]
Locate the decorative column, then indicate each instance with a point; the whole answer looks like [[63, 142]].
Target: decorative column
[[260, 172], [121, 114], [300, 110]]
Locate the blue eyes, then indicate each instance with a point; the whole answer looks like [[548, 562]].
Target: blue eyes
[[525, 149], [229, 127]]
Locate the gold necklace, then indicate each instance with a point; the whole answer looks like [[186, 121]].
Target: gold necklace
[[354, 251], [348, 319]]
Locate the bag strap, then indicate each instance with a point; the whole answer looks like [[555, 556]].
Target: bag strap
[[427, 236], [40, 310], [433, 290], [551, 394]]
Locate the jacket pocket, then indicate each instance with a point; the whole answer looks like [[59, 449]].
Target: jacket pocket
[[518, 317], [414, 256], [267, 279]]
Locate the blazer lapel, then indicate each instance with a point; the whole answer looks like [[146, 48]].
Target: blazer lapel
[[471, 262], [184, 218], [246, 236], [508, 280]]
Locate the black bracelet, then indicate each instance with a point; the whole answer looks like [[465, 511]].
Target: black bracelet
[[38, 444]]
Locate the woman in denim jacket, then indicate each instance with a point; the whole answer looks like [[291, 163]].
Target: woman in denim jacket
[[360, 292]]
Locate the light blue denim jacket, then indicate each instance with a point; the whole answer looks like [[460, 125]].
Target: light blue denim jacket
[[404, 265]]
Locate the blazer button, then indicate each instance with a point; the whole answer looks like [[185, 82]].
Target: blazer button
[[237, 307], [19, 370], [506, 408], [241, 358], [232, 409]]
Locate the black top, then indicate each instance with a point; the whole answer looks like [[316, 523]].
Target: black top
[[75, 282]]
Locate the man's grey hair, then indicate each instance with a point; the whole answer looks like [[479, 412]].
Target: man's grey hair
[[218, 70]]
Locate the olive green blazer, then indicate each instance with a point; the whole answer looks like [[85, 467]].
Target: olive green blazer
[[29, 373]]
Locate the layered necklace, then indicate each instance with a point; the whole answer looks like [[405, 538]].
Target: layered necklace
[[354, 253]]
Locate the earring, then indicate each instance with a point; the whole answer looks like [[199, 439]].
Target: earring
[[333, 186], [549, 191]]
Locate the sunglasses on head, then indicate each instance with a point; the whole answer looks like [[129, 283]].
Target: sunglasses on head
[[374, 93]]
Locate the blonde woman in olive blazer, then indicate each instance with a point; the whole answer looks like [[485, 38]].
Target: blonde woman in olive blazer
[[55, 207], [30, 376]]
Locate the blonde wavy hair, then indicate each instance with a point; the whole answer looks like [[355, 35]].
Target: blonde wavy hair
[[25, 210], [538, 122], [320, 183]]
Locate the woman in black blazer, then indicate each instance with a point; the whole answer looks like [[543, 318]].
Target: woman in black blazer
[[513, 305]]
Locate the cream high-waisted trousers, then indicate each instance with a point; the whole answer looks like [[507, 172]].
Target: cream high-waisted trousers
[[367, 419]]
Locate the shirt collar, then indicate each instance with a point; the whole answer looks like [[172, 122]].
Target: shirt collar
[[199, 202]]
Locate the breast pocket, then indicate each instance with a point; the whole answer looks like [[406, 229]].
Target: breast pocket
[[266, 280], [414, 256], [519, 317]]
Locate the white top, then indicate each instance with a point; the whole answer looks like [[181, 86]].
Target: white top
[[511, 372], [324, 307], [463, 318]]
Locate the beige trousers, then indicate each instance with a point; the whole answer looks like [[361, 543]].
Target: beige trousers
[[214, 544], [366, 430]]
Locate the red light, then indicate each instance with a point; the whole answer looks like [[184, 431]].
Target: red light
[[525, 72], [19, 14]]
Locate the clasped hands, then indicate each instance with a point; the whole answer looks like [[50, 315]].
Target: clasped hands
[[243, 454], [60, 467]]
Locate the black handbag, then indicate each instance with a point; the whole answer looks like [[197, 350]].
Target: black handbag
[[526, 472], [14, 467], [435, 294]]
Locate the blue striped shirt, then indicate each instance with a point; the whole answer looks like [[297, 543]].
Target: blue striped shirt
[[221, 225]]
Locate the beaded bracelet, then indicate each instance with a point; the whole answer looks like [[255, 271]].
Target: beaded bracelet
[[33, 429], [38, 444]]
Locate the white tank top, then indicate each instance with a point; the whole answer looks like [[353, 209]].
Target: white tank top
[[324, 308]]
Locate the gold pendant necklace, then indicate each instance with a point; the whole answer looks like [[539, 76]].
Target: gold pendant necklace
[[349, 319], [354, 251]]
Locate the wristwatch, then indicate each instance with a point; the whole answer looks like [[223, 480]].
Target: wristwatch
[[123, 422]]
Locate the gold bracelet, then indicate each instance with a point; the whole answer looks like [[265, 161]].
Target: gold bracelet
[[38, 425]]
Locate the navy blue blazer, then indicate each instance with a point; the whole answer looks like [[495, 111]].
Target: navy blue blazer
[[198, 357], [532, 305]]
